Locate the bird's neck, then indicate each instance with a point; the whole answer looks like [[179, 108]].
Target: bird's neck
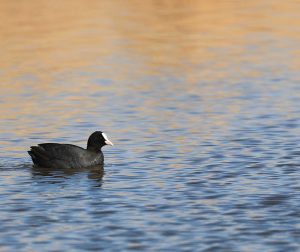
[[94, 148]]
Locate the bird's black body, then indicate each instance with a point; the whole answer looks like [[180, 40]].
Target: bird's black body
[[55, 155]]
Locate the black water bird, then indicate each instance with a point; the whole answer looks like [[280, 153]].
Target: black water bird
[[55, 155]]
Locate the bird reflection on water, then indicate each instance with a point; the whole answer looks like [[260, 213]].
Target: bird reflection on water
[[95, 173]]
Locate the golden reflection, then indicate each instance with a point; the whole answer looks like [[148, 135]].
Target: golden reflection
[[52, 52]]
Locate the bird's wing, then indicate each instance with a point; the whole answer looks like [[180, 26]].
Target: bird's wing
[[58, 155]]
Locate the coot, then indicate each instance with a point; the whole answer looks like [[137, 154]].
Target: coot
[[55, 155]]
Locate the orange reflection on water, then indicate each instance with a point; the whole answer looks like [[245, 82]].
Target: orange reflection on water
[[55, 49]]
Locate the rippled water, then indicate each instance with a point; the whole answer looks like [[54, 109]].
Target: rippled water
[[201, 99]]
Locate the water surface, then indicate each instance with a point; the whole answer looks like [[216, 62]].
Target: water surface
[[201, 99]]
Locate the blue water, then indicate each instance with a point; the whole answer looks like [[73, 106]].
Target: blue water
[[205, 121]]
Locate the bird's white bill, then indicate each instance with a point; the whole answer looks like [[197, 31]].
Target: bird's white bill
[[109, 142], [106, 139]]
